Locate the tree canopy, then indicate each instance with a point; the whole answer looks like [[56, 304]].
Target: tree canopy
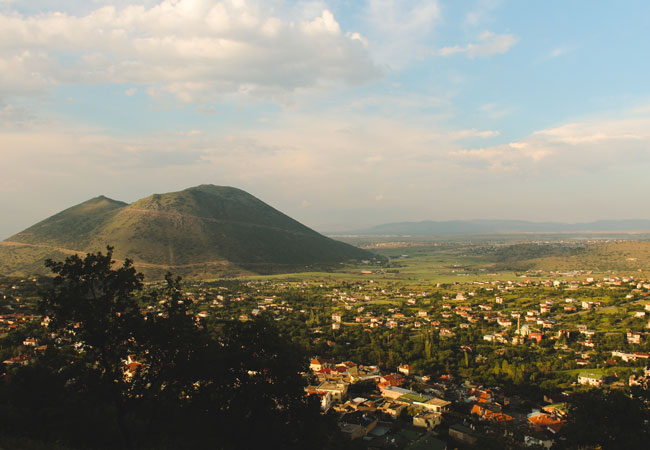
[[609, 420], [130, 367]]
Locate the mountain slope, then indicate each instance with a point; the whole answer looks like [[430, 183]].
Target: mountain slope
[[205, 230], [71, 228]]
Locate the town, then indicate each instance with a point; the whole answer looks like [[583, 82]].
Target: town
[[417, 365]]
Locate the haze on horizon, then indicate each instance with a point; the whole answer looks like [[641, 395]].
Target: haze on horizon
[[342, 114]]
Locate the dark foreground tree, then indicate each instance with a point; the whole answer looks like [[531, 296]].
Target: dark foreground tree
[[128, 369], [94, 311], [605, 420]]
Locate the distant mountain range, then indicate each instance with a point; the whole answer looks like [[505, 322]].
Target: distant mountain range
[[199, 232], [465, 227]]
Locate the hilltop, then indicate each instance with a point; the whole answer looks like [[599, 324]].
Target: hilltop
[[199, 232]]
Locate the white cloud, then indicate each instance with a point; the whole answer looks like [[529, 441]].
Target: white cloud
[[399, 28], [481, 12], [25, 72], [643, 109], [555, 52], [373, 159], [578, 147], [13, 116], [346, 152], [488, 44], [191, 133], [463, 134], [559, 51], [131, 92], [415, 105], [340, 161], [207, 109], [191, 49], [501, 158], [403, 16], [599, 132], [496, 111]]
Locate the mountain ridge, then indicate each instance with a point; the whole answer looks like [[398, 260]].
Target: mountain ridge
[[486, 226]]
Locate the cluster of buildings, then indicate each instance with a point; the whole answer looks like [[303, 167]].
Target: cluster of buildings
[[452, 411], [402, 406], [13, 321]]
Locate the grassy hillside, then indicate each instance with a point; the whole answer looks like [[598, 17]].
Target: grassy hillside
[[73, 227], [18, 260], [219, 203], [570, 256], [206, 231]]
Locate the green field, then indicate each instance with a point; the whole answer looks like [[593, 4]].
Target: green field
[[427, 262]]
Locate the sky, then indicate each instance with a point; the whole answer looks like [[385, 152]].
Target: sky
[[342, 113]]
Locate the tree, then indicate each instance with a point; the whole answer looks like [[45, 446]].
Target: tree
[[94, 309], [187, 387], [605, 420]]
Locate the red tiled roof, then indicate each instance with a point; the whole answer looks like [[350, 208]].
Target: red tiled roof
[[490, 415], [542, 421]]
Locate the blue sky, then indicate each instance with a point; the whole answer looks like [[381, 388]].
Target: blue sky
[[340, 113]]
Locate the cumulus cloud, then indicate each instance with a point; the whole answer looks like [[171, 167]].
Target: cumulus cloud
[[488, 44], [191, 49]]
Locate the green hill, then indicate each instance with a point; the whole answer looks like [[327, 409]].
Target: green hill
[[199, 232], [627, 256]]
